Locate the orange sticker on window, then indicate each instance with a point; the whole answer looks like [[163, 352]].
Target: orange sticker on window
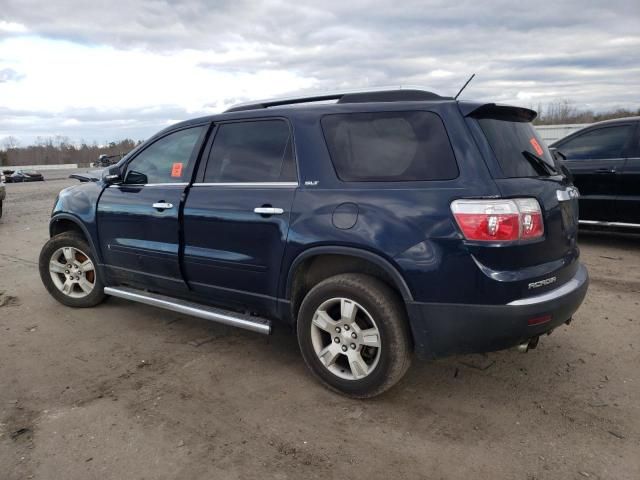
[[536, 146], [176, 169]]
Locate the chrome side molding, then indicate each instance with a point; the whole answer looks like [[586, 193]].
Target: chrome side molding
[[609, 224], [248, 184], [234, 319]]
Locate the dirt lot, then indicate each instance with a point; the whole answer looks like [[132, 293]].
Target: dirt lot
[[129, 391]]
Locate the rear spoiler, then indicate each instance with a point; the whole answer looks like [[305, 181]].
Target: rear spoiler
[[498, 112]]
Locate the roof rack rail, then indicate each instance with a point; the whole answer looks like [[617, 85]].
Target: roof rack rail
[[393, 94]]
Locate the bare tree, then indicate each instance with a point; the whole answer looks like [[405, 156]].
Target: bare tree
[[565, 111], [10, 142]]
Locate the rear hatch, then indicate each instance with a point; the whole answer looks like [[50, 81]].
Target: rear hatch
[[523, 168]]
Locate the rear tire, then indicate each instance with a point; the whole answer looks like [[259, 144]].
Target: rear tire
[[353, 335], [68, 269]]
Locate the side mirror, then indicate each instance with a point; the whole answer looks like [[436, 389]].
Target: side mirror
[[560, 158], [567, 173], [111, 175], [557, 153]]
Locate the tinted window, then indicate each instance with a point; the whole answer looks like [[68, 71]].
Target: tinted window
[[259, 151], [166, 160], [389, 146], [607, 142], [510, 140]]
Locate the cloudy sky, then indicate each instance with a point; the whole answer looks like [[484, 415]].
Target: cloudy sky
[[126, 68]]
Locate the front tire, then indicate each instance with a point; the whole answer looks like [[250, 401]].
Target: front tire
[[68, 269], [353, 335]]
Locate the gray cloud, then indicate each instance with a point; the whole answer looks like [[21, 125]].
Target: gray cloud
[[579, 50], [9, 75], [86, 124]]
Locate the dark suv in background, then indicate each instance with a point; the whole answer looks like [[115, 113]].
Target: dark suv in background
[[382, 224], [604, 159]]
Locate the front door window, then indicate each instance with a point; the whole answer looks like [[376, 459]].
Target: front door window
[[165, 161], [602, 143]]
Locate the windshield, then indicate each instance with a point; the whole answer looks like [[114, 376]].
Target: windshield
[[518, 147]]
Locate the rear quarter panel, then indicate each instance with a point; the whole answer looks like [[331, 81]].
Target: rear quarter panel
[[408, 224]]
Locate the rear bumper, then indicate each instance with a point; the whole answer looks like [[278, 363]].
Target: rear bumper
[[446, 329]]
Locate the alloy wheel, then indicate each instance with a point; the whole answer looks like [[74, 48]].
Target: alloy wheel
[[345, 338], [72, 272]]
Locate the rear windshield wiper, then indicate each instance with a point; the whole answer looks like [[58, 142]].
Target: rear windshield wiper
[[539, 164]]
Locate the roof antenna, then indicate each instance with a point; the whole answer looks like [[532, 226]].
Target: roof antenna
[[464, 86]]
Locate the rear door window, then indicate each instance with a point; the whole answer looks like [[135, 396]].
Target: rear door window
[[389, 146], [601, 143], [516, 145], [252, 152]]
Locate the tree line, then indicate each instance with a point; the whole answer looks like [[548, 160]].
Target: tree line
[[59, 150], [563, 112]]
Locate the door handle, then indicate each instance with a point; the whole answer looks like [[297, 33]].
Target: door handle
[[268, 210], [605, 170], [162, 205]]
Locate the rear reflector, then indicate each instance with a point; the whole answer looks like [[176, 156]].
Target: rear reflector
[[539, 320], [499, 220]]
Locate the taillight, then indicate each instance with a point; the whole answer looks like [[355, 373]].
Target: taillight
[[531, 225], [499, 220]]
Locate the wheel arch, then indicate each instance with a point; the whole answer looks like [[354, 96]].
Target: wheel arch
[[336, 260], [65, 222]]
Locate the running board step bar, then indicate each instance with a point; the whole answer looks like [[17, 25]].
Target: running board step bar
[[226, 317], [609, 224]]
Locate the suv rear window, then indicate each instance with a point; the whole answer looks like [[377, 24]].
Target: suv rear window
[[510, 140], [389, 146]]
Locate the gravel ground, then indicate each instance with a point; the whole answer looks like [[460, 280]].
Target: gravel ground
[[129, 391]]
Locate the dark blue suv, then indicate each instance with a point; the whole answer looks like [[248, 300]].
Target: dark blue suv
[[378, 223]]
